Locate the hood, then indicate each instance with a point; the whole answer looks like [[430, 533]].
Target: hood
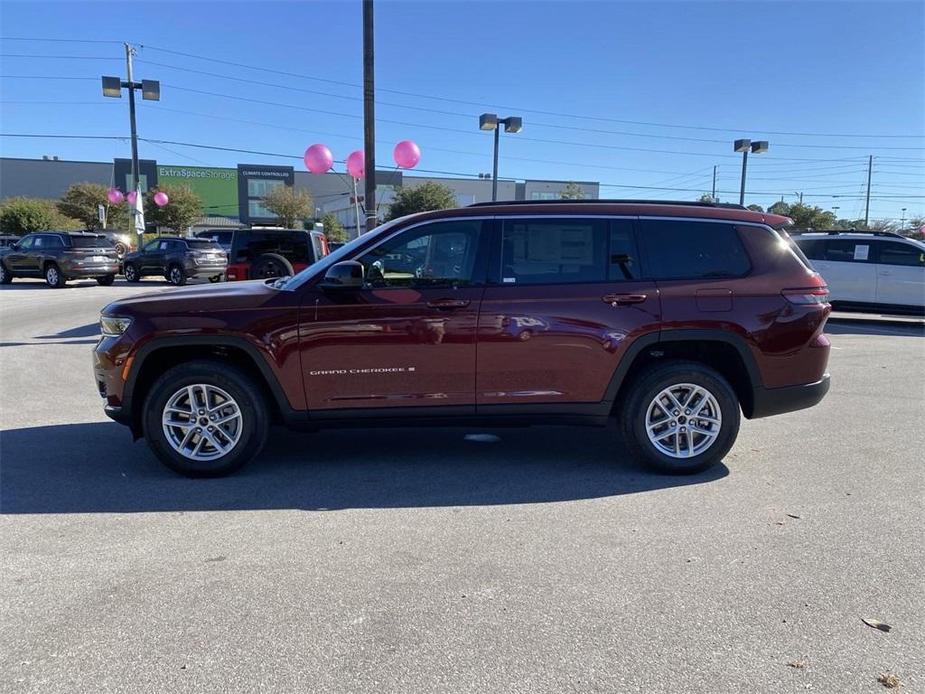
[[204, 298]]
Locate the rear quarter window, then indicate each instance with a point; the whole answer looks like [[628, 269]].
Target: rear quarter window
[[692, 250]]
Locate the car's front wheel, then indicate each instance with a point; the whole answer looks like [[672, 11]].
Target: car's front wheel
[[54, 277], [680, 417], [205, 419]]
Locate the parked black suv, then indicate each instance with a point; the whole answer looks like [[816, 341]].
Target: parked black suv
[[59, 256], [177, 260], [268, 253]]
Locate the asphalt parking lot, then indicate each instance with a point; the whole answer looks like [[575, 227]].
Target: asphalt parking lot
[[419, 561]]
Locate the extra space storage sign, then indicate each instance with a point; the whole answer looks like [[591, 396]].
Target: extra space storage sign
[[218, 188]]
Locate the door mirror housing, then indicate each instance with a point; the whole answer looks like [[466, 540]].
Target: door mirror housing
[[347, 274]]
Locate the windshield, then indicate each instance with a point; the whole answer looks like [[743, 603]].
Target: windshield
[[336, 256]]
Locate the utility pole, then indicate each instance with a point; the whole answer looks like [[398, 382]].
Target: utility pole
[[870, 167], [369, 115], [129, 52], [713, 194], [742, 187]]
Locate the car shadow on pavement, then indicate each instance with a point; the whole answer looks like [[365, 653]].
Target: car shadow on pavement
[[89, 330], [95, 468]]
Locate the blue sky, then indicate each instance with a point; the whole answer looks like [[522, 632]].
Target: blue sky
[[628, 94]]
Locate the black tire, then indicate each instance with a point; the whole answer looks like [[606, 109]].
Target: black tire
[[105, 280], [131, 273], [217, 278], [644, 390], [120, 248], [54, 277], [175, 275], [269, 266], [5, 275], [255, 419]]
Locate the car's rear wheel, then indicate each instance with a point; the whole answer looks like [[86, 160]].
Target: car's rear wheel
[[176, 276], [680, 417], [106, 280], [216, 278], [269, 266], [205, 419], [131, 273], [5, 275], [54, 277]]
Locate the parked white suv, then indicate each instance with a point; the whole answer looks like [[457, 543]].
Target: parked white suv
[[868, 269]]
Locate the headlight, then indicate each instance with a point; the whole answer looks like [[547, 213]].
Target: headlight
[[113, 326]]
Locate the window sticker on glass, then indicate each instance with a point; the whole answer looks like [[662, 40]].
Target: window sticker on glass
[[509, 280], [861, 252]]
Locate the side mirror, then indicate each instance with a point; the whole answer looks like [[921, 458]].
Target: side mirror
[[347, 274]]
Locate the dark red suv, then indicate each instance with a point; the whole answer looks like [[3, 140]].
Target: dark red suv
[[667, 319]]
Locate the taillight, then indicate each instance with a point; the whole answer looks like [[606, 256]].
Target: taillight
[[807, 295]]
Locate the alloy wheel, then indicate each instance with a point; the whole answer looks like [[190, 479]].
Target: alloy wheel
[[202, 422], [683, 420]]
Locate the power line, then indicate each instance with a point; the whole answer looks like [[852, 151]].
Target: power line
[[516, 108], [57, 57], [48, 40]]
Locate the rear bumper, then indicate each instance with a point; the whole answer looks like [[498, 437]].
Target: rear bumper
[[771, 401], [82, 271], [204, 271]]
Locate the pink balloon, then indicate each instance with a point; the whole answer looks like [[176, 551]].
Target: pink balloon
[[356, 164], [115, 196], [318, 159], [160, 198], [130, 197], [407, 154]]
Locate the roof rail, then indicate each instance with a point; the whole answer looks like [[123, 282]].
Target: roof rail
[[610, 201], [836, 232]]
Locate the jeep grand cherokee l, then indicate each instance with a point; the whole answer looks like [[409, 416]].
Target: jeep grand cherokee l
[[669, 318], [59, 256], [176, 259]]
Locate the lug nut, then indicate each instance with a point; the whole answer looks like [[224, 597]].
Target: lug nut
[[198, 430], [687, 411], [211, 428], [676, 413]]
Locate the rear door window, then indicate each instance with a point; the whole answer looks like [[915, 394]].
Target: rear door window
[[847, 251], [679, 249]]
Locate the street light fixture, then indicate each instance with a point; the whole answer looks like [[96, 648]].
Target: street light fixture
[[490, 121], [744, 146], [150, 91], [902, 221]]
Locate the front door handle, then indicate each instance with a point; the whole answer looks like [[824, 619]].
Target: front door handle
[[448, 304], [623, 299]]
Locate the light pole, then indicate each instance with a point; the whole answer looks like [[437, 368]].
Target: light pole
[[744, 146], [902, 221], [835, 209], [150, 91], [490, 121]]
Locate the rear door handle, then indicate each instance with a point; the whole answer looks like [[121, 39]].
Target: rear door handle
[[448, 304], [623, 299]]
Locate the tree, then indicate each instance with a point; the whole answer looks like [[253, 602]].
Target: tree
[[779, 208], [706, 197], [572, 191], [183, 209], [422, 198], [24, 215], [82, 201], [756, 208], [805, 216], [333, 229], [289, 204]]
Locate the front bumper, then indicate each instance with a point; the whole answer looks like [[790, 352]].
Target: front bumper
[[771, 401]]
